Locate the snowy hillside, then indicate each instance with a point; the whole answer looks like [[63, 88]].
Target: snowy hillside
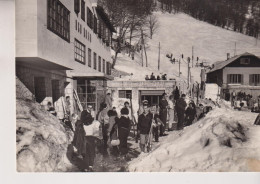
[[177, 34], [225, 140]]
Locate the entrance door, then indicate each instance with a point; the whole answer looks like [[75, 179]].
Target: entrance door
[[39, 89], [152, 96]]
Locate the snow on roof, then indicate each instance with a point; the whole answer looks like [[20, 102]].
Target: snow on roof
[[221, 64]]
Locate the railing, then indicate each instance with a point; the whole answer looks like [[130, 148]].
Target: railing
[[142, 84]]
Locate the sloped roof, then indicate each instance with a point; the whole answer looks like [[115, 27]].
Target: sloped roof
[[221, 64]]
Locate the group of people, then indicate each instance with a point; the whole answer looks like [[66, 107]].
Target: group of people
[[152, 77], [241, 99], [113, 128]]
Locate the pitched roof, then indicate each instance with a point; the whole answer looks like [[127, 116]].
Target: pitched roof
[[221, 64]]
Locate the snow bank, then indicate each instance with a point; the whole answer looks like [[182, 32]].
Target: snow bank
[[225, 140], [41, 141]]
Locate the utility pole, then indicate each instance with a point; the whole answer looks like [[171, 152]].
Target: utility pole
[[159, 57], [235, 51], [179, 67], [142, 57], [188, 79], [192, 58]]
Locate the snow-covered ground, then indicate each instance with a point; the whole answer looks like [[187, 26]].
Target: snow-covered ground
[[225, 140], [177, 34]]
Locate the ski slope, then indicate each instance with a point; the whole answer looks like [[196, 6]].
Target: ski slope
[[177, 34]]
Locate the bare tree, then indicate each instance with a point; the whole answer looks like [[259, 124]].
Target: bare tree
[[153, 24]]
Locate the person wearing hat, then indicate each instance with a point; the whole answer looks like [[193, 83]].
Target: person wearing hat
[[123, 123]]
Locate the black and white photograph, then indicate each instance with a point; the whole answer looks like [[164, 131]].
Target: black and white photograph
[[136, 86]]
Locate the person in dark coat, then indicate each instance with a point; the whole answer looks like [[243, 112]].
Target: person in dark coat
[[190, 114], [163, 104], [123, 124], [180, 109], [79, 137], [113, 130], [144, 126], [86, 116]]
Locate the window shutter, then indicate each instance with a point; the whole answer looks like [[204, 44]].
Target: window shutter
[[242, 79], [228, 78], [251, 80]]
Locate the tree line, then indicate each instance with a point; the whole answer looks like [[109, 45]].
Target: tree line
[[238, 15], [133, 20]]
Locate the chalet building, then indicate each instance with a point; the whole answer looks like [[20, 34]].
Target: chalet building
[[63, 45], [239, 73]]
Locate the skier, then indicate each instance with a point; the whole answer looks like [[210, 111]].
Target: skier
[[180, 108], [163, 104], [124, 126], [144, 126]]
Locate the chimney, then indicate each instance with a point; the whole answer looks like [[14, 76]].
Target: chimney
[[228, 56]]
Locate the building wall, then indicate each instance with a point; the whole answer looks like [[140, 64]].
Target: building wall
[[136, 87], [26, 28], [33, 39], [27, 75], [238, 70]]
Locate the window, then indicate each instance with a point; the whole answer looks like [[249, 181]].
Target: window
[[99, 63], [76, 24], [108, 68], [234, 79], [87, 92], [245, 61], [76, 6], [254, 80], [83, 10], [104, 33], [79, 50], [58, 19], [125, 93], [84, 32], [89, 18], [89, 57], [95, 25], [104, 66], [95, 60], [99, 28]]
